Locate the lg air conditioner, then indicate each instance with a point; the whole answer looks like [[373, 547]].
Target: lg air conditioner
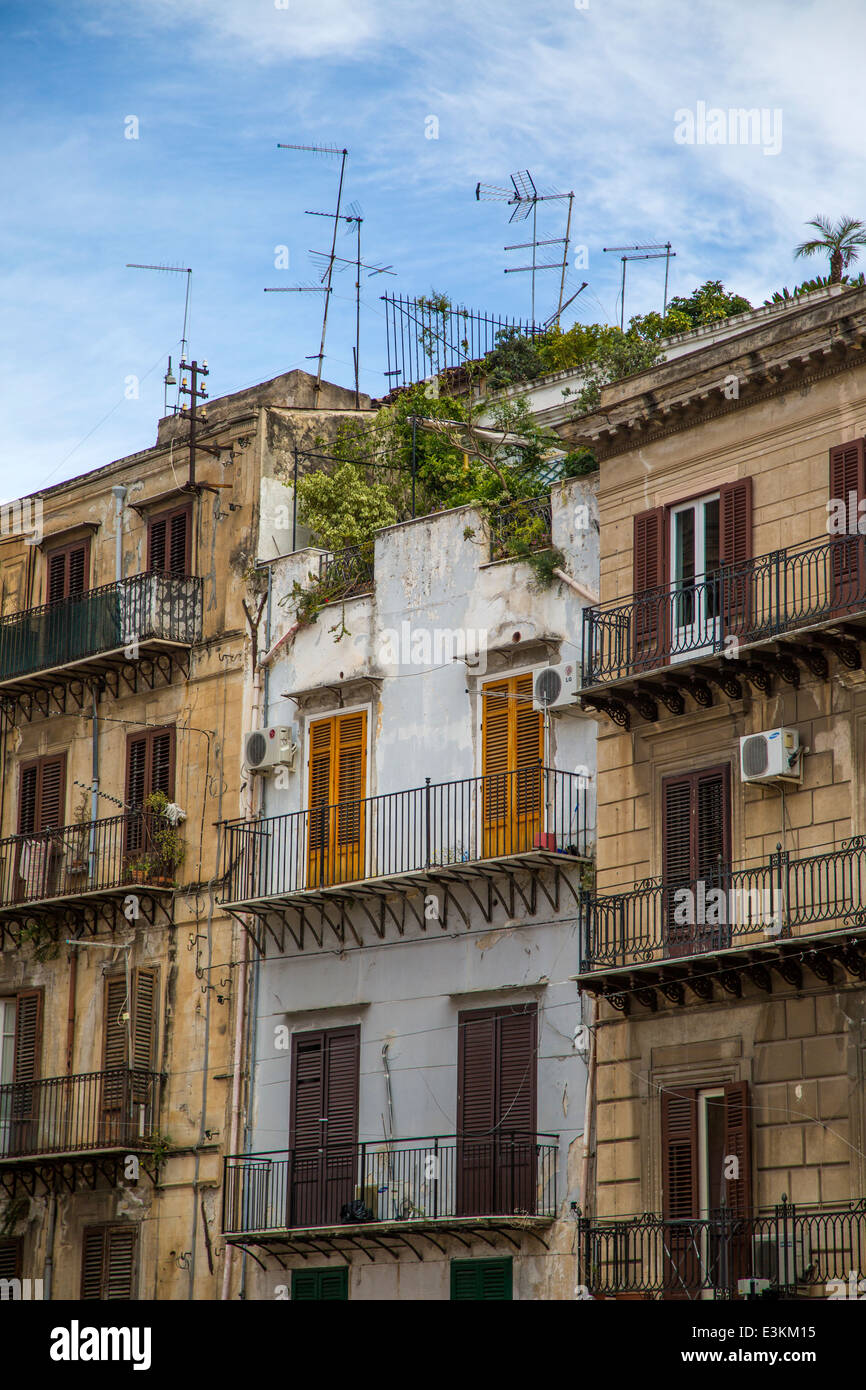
[[555, 687], [773, 756], [273, 747]]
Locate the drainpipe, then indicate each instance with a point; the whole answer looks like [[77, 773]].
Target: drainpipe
[[94, 781], [585, 593], [119, 492], [49, 1249], [589, 1118]]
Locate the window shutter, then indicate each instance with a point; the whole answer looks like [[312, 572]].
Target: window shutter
[[738, 1192], [847, 484], [494, 728], [28, 1035], [476, 1087], [321, 741], [41, 795], [93, 1247], [144, 1019], [677, 831], [517, 1070], [156, 545], [512, 748], [77, 570], [679, 1153], [650, 585], [28, 787], [735, 519], [114, 1028], [10, 1259], [341, 1085], [351, 783], [56, 589], [326, 1285], [136, 763], [308, 1091], [488, 1281], [712, 829], [108, 1263], [67, 571], [178, 544], [161, 769]]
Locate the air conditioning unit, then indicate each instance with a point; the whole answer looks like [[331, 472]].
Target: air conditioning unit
[[274, 747], [782, 1259], [555, 687], [771, 756]]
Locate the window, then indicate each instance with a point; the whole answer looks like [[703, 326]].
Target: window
[[512, 746], [848, 484], [682, 604], [337, 816], [487, 1280], [169, 537], [329, 1285], [67, 571], [128, 1047], [323, 1124], [706, 1176], [496, 1110], [10, 1259], [20, 1058], [696, 858], [108, 1263], [150, 766]]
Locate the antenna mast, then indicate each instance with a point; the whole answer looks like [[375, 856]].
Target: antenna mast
[[656, 250], [524, 197]]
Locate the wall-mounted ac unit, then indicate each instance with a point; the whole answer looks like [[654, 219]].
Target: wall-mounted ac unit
[[781, 1258], [555, 687], [770, 756], [273, 747]]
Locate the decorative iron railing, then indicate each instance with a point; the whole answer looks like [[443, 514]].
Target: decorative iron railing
[[346, 572], [521, 525], [424, 337], [761, 598], [785, 897], [78, 1114], [434, 826], [784, 1249], [428, 1179], [113, 617], [87, 857]]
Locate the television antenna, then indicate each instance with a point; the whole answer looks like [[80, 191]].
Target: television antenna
[[654, 251], [524, 197], [184, 341], [328, 152]]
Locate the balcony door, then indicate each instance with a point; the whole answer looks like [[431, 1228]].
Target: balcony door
[[20, 1057], [496, 1111], [337, 809], [512, 742], [696, 857], [150, 765], [323, 1125], [694, 581], [128, 1050], [41, 808]]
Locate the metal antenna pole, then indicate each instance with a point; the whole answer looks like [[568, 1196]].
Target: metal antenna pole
[[657, 250], [564, 259], [622, 298], [184, 341], [667, 268], [330, 276]]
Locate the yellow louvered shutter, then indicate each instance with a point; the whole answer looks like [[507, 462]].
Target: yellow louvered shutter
[[337, 810], [512, 748]]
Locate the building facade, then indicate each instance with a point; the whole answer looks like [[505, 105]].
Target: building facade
[[723, 944]]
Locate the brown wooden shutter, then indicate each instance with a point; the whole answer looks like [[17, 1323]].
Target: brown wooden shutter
[[712, 825], [517, 1071], [476, 1082], [308, 1091], [650, 586], [42, 795], [56, 587], [848, 485], [115, 1032], [738, 1193], [150, 767], [178, 545], [162, 763], [696, 846], [144, 1018], [28, 787], [28, 1036], [735, 548], [156, 544], [168, 542], [680, 1193], [108, 1263], [136, 769], [10, 1259], [66, 571], [496, 1110], [677, 830], [323, 1131]]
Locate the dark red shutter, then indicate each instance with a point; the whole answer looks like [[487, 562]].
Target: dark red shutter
[[77, 570], [41, 795], [650, 587], [680, 1190], [28, 1035], [56, 589], [108, 1263], [323, 1127], [696, 850], [496, 1111], [848, 485], [28, 789], [168, 542], [149, 768], [735, 550], [136, 767], [67, 571], [156, 544], [738, 1192], [161, 768], [178, 550]]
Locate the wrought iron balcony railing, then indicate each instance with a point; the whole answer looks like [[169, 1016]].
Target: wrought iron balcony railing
[[88, 857], [526, 523], [89, 1112], [422, 1180], [147, 607], [346, 572], [788, 896], [788, 1249], [435, 826], [761, 598]]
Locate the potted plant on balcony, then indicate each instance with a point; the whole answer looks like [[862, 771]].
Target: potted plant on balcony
[[79, 843], [166, 847]]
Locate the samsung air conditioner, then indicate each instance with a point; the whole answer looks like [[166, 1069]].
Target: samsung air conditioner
[[555, 687], [781, 1258], [273, 747], [775, 755]]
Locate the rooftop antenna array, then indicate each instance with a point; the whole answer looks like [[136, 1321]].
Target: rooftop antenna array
[[524, 197], [327, 152], [169, 379], [653, 251]]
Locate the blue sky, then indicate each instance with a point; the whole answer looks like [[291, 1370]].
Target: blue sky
[[584, 97]]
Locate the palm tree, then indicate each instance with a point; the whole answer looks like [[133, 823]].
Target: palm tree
[[839, 241]]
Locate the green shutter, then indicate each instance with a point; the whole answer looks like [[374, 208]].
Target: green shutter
[[487, 1280], [331, 1285]]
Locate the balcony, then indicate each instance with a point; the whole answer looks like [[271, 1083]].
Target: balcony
[[791, 912], [134, 632], [523, 526], [788, 1250], [389, 1192], [772, 616], [444, 833], [95, 1116], [83, 873], [346, 573]]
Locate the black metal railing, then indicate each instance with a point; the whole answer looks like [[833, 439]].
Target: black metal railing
[[114, 616], [428, 1179], [87, 857], [787, 896], [787, 1248], [343, 573], [424, 338], [434, 826], [761, 598], [76, 1114], [521, 526]]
